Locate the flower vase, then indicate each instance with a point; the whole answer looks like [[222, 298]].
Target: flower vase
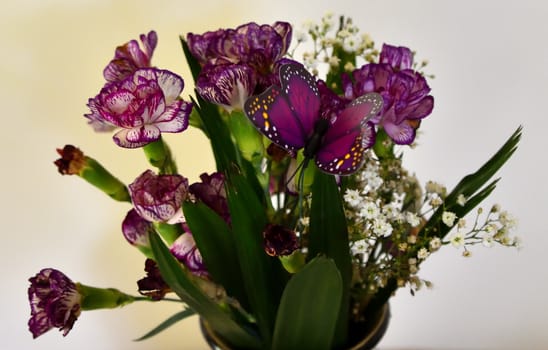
[[362, 336]]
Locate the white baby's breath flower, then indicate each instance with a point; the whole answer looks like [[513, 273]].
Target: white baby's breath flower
[[461, 200], [436, 202], [435, 244], [461, 223], [343, 34], [352, 197], [305, 221], [412, 261], [412, 239], [382, 228], [390, 211], [488, 241], [349, 67], [412, 219], [369, 210], [423, 253], [359, 247], [301, 36], [350, 44], [448, 218], [334, 61], [458, 239]]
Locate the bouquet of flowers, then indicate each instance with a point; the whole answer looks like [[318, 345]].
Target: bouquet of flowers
[[310, 222]]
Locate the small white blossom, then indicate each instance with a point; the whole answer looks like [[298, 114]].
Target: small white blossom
[[369, 210], [334, 61], [448, 218], [352, 197], [359, 247], [461, 223], [434, 187], [461, 200], [343, 34], [458, 239], [435, 244], [382, 228], [488, 241], [349, 67], [423, 253], [374, 183], [412, 239], [300, 36], [350, 45], [390, 211], [436, 202], [305, 221], [412, 261], [412, 219]]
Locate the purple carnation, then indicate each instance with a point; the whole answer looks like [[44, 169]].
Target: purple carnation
[[398, 57], [227, 85], [159, 198], [279, 240], [212, 192], [54, 302], [405, 92], [129, 57], [224, 53], [185, 250], [136, 229], [143, 105]]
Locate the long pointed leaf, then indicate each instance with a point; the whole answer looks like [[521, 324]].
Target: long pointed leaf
[[309, 307], [215, 242], [329, 236], [179, 316], [177, 279], [261, 274]]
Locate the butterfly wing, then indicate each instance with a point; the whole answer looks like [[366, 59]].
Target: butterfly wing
[[348, 136], [302, 93], [286, 115]]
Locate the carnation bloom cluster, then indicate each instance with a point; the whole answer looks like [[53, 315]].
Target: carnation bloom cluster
[[309, 197]]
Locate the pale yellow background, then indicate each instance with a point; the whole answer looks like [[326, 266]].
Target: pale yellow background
[[490, 60]]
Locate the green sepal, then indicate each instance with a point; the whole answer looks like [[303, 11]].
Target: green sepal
[[98, 176], [179, 316], [309, 308], [159, 155], [178, 280], [93, 298]]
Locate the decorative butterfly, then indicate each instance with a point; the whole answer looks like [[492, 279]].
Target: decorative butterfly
[[290, 117]]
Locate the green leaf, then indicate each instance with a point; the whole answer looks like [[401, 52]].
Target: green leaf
[[309, 307], [263, 276], [215, 242], [193, 64], [470, 184], [328, 236], [179, 316], [179, 281]]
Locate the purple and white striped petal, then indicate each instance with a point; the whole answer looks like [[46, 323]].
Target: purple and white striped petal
[[137, 137], [136, 229], [143, 105], [159, 198], [226, 85], [185, 250]]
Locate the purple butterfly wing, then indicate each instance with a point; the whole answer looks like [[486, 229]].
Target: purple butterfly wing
[[287, 115], [348, 136], [302, 93], [271, 114]]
